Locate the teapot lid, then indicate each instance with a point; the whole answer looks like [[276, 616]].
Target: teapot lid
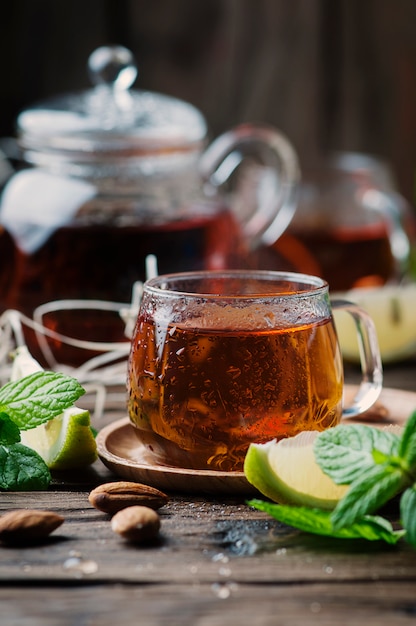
[[111, 118]]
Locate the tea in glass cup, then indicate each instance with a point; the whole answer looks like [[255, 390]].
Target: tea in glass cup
[[220, 360]]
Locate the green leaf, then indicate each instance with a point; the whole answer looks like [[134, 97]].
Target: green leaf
[[368, 493], [407, 448], [345, 453], [9, 432], [408, 514], [318, 522], [39, 397], [22, 469]]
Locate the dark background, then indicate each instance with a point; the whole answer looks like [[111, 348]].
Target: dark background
[[331, 74]]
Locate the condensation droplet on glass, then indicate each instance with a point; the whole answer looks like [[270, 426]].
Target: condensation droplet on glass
[[234, 372], [270, 319]]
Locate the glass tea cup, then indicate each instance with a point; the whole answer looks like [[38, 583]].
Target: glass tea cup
[[221, 359]]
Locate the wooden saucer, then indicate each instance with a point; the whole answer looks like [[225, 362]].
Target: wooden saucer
[[120, 449]]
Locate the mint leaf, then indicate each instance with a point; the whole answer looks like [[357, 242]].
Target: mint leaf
[[371, 461], [9, 432], [368, 493], [408, 514], [318, 522], [346, 453], [39, 397], [22, 469], [407, 448]]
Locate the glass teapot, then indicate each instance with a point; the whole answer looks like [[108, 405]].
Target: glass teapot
[[112, 175], [351, 226]]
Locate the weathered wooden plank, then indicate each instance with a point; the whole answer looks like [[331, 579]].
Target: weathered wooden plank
[[227, 604], [201, 540]]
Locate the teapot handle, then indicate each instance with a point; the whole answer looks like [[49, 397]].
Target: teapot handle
[[394, 209], [268, 170]]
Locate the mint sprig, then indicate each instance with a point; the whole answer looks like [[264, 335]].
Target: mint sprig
[[407, 448], [25, 404], [347, 452], [318, 522], [22, 469], [9, 431], [370, 460], [408, 513], [39, 397], [377, 465], [368, 494]]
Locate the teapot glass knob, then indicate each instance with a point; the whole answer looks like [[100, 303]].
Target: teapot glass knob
[[113, 66]]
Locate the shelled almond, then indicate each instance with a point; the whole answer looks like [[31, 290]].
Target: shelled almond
[[113, 497], [136, 524], [28, 525]]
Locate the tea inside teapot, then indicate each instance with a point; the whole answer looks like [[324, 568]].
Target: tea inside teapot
[[351, 226]]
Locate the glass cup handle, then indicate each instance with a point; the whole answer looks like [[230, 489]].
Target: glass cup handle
[[371, 366], [266, 196]]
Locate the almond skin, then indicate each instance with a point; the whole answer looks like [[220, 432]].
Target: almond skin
[[136, 524], [28, 525], [113, 497]]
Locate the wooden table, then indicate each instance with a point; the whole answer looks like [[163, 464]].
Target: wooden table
[[217, 562]]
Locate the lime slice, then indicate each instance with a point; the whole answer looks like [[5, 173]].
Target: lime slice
[[23, 364], [64, 442], [392, 310], [287, 473]]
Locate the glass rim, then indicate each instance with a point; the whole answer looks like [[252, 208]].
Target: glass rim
[[308, 284]]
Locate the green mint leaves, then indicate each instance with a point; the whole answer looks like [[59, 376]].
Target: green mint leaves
[[22, 469], [368, 460], [39, 397], [346, 452], [378, 465], [318, 522], [408, 513], [407, 448], [25, 404]]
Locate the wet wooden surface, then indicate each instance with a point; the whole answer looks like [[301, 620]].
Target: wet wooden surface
[[216, 562]]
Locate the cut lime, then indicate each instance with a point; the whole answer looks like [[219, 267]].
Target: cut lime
[[23, 364], [64, 442], [392, 310], [287, 473]]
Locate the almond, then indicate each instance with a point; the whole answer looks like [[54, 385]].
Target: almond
[[113, 497], [136, 523], [27, 525]]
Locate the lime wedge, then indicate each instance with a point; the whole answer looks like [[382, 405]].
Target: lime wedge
[[287, 473], [392, 310], [64, 442], [23, 364]]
